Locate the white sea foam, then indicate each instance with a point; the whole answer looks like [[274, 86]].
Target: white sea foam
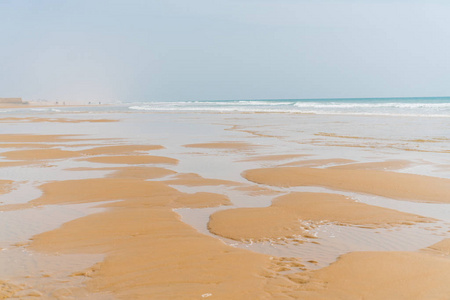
[[212, 109], [435, 107], [40, 109], [371, 105]]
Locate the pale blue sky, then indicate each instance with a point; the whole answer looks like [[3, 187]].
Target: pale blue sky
[[223, 49]]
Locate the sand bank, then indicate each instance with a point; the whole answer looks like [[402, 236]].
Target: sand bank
[[27, 145], [39, 154], [378, 275], [120, 149], [5, 186], [99, 189], [385, 165], [387, 184], [318, 162], [293, 215], [38, 138], [4, 164], [257, 190], [150, 252], [8, 290], [443, 247]]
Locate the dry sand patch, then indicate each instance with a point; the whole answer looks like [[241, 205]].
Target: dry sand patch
[[26, 145], [378, 275], [5, 186], [442, 247], [100, 189], [150, 252], [287, 215], [119, 149], [38, 138], [257, 190], [39, 154], [385, 165], [9, 290], [317, 162], [5, 164], [400, 186]]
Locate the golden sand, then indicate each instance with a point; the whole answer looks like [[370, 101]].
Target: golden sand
[[4, 164], [318, 162], [257, 190], [26, 145], [133, 159], [39, 154], [385, 165], [150, 252], [378, 275], [120, 149], [442, 247], [8, 290], [286, 216], [5, 186], [34, 138], [99, 189], [388, 184]]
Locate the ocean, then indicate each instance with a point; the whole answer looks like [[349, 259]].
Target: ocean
[[414, 107], [437, 107], [400, 135]]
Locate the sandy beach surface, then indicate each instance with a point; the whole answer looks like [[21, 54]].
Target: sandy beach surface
[[108, 203]]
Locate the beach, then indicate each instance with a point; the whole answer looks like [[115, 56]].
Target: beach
[[226, 200]]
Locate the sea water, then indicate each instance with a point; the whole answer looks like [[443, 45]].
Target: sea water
[[421, 106], [363, 130]]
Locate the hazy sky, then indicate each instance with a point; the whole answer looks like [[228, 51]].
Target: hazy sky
[[160, 50]]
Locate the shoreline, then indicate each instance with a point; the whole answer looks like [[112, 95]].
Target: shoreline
[[135, 189]]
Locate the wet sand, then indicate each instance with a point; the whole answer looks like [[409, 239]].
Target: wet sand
[[388, 184], [144, 250], [133, 159], [54, 120], [295, 214], [222, 145]]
